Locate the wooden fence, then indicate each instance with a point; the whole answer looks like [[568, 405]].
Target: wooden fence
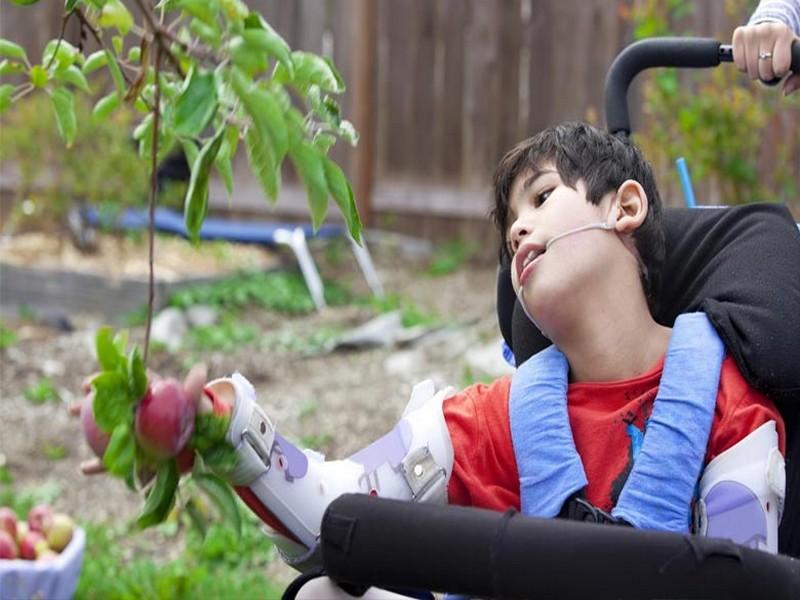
[[455, 83]]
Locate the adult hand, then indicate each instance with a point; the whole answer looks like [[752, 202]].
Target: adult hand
[[764, 52], [193, 385]]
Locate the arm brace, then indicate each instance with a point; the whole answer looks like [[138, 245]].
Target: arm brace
[[289, 488]]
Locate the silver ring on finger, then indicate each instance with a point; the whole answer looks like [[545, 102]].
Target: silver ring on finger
[[764, 55]]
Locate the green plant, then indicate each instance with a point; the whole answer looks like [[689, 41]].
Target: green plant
[[42, 391], [711, 118], [215, 566], [287, 340], [412, 314], [228, 334], [450, 257], [281, 291], [54, 451], [8, 337], [53, 179]]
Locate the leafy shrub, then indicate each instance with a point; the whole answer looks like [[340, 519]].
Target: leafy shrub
[[53, 176], [714, 117]]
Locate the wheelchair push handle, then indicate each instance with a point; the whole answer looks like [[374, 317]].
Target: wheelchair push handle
[[690, 53]]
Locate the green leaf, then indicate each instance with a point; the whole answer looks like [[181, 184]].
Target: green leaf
[[69, 5], [196, 105], [143, 130], [134, 54], [250, 60], [209, 430], [119, 455], [94, 61], [108, 355], [196, 206], [116, 72], [208, 33], [347, 132], [262, 162], [267, 40], [161, 497], [112, 400], [65, 53], [114, 14], [38, 76], [222, 457], [190, 151], [6, 91], [343, 195], [7, 67], [137, 375], [12, 50], [75, 76], [226, 153], [105, 106], [310, 69], [265, 111], [201, 9], [223, 497], [308, 162], [64, 108]]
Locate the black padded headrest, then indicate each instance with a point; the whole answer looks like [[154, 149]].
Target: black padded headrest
[[739, 265]]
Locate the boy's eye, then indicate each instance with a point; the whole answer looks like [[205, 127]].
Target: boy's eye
[[540, 198]]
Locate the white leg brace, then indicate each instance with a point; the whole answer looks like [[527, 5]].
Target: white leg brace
[[290, 488], [742, 492]]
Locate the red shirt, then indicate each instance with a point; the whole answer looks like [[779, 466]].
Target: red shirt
[[608, 422]]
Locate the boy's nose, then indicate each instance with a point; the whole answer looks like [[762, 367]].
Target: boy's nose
[[519, 231]]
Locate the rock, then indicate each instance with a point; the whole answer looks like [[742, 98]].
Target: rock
[[169, 327], [382, 331], [488, 359], [201, 315]]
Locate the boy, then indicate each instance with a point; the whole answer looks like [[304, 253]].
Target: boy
[[579, 215]]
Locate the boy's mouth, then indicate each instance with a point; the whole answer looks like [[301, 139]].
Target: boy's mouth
[[526, 258]]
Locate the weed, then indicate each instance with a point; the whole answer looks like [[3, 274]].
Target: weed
[[281, 291], [286, 340], [54, 451], [228, 334], [315, 441], [469, 377], [450, 257], [8, 337], [412, 315], [42, 391], [216, 566]]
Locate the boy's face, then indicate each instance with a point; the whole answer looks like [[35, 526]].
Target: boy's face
[[541, 207]]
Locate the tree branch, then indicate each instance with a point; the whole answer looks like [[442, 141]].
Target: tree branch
[[153, 194]]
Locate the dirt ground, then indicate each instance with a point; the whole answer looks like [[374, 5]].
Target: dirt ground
[[336, 402]]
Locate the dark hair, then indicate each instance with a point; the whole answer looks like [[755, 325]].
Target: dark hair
[[603, 161]]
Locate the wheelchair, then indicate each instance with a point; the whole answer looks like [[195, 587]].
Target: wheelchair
[[739, 265]]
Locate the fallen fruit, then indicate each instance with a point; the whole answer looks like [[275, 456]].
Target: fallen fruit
[[40, 517], [22, 531], [33, 544], [164, 419], [8, 546], [60, 532], [96, 437], [8, 521]]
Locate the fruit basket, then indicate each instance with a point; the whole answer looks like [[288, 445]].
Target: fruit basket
[[52, 578]]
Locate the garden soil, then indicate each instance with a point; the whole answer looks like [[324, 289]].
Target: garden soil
[[333, 401]]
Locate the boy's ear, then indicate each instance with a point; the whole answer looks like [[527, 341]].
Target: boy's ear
[[632, 206]]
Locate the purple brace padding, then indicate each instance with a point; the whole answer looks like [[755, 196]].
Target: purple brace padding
[[296, 461], [390, 448], [735, 513]]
